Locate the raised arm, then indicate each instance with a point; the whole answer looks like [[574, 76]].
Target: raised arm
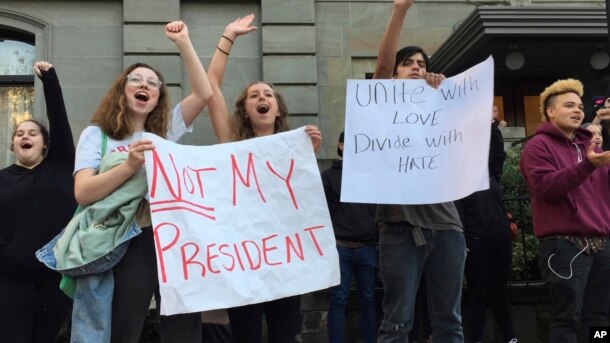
[[219, 114], [389, 43], [201, 91], [61, 147]]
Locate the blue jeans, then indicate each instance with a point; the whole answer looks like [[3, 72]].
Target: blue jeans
[[581, 300], [440, 261], [91, 307], [360, 263]]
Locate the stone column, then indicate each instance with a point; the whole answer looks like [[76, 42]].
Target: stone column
[[289, 55], [144, 40]]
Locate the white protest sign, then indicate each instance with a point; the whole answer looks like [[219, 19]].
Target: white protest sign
[[239, 223], [408, 143]]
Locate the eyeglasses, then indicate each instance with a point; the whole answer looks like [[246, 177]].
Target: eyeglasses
[[137, 80]]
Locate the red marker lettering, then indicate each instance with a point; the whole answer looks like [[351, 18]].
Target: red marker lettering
[[221, 249], [258, 253], [210, 258], [298, 252], [313, 237], [161, 249], [267, 249], [287, 181], [190, 260], [246, 182], [157, 167]]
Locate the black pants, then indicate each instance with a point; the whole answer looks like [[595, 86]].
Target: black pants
[[216, 333], [31, 310], [282, 316], [488, 266], [580, 294], [135, 282]]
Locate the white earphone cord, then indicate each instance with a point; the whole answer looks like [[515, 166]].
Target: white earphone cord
[[569, 277]]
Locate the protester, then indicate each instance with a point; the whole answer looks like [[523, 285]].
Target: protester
[[600, 107], [36, 202], [356, 235], [421, 317], [569, 184], [596, 131], [496, 117], [138, 102], [259, 111], [490, 248], [417, 240]]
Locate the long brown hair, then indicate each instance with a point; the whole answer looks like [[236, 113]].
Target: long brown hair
[[112, 115], [243, 125]]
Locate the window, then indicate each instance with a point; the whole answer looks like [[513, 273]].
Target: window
[[17, 55]]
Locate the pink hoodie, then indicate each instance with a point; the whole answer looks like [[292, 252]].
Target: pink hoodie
[[569, 195]]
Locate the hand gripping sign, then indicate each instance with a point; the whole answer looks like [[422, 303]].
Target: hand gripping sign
[[408, 143], [239, 223]]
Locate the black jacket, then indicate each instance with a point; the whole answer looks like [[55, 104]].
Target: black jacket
[[483, 213], [351, 221]]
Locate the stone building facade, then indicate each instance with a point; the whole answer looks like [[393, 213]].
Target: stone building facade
[[308, 48]]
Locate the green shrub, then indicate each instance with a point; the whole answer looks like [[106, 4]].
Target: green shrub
[[516, 195]]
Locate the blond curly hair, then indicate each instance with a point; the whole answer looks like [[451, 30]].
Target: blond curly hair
[[559, 87]]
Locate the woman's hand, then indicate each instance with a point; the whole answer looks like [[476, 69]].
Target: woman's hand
[[135, 160], [176, 31], [239, 27], [603, 113], [40, 66], [403, 3], [315, 135]]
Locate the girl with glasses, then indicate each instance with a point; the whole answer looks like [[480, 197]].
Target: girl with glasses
[[138, 102]]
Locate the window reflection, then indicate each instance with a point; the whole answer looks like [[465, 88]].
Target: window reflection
[[19, 102], [16, 105], [16, 58], [16, 90]]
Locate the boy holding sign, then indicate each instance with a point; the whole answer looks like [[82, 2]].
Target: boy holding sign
[[417, 240]]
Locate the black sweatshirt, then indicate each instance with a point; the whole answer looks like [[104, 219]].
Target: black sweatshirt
[[483, 213], [36, 204], [351, 221]]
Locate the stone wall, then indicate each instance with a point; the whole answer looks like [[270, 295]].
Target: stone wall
[[307, 48]]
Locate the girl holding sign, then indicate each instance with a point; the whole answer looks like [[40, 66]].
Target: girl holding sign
[[259, 111], [138, 102]]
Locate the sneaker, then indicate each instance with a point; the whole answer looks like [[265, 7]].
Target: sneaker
[[514, 340]]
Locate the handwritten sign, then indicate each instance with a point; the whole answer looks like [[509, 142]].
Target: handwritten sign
[[239, 223], [408, 143]]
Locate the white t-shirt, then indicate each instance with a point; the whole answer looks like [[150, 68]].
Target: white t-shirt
[[89, 148]]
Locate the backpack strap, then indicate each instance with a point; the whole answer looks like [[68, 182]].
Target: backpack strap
[[104, 143]]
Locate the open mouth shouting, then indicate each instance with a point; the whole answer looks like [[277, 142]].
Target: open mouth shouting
[[26, 145], [262, 108], [142, 96]]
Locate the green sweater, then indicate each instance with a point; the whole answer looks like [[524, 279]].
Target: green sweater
[[99, 227]]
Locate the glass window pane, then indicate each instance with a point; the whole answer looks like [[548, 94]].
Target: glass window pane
[[16, 58], [16, 105]]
